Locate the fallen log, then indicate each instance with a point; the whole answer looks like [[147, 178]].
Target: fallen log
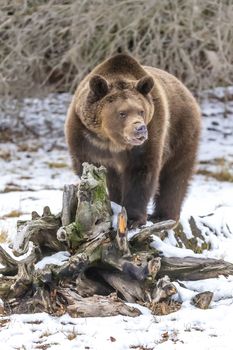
[[97, 305], [192, 269], [103, 260]]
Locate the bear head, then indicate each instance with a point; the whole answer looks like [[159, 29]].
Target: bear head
[[118, 111]]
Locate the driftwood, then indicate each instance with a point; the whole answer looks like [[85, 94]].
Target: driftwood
[[104, 269], [41, 230]]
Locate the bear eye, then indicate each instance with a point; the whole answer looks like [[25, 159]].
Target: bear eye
[[122, 114], [142, 113]]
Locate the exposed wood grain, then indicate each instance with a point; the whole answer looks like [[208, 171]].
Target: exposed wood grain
[[191, 268]]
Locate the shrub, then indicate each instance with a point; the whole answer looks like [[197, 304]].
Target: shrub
[[53, 43]]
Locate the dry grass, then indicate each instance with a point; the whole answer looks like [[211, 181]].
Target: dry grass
[[3, 236], [56, 165], [71, 335], [53, 43], [223, 171], [4, 322], [164, 307], [12, 214], [221, 175]]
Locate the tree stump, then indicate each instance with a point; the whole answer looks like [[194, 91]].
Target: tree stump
[[105, 269]]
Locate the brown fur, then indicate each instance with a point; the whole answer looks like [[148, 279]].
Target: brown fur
[[108, 108]]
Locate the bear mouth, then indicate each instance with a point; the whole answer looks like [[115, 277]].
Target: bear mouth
[[136, 141]]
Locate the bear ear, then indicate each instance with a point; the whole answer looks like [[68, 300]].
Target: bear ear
[[145, 85], [99, 86]]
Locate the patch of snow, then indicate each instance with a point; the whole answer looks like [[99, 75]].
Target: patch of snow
[[222, 287], [187, 329], [57, 259], [169, 250]]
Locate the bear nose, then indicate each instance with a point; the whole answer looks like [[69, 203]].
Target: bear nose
[[141, 130]]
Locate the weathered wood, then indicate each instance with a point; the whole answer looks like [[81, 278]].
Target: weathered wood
[[17, 274], [69, 204], [203, 300], [23, 280], [164, 289], [146, 269], [96, 306], [93, 212], [69, 271], [128, 288], [157, 229], [159, 297], [11, 263], [89, 283], [41, 301], [8, 267], [191, 268], [41, 231], [94, 208]]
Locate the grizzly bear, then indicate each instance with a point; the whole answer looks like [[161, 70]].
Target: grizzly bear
[[143, 125]]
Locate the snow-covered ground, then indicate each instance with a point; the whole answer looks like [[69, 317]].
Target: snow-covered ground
[[34, 168]]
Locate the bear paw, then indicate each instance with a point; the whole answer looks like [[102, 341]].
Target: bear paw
[[137, 221]]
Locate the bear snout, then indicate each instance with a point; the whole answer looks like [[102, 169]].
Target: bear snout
[[141, 130], [136, 133]]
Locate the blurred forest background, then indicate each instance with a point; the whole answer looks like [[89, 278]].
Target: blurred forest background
[[49, 45]]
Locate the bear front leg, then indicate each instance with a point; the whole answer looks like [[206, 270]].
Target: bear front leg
[[77, 165], [139, 184], [173, 184], [114, 185]]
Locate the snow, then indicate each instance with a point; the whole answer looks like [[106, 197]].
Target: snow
[[189, 328], [169, 250], [33, 175], [57, 259]]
